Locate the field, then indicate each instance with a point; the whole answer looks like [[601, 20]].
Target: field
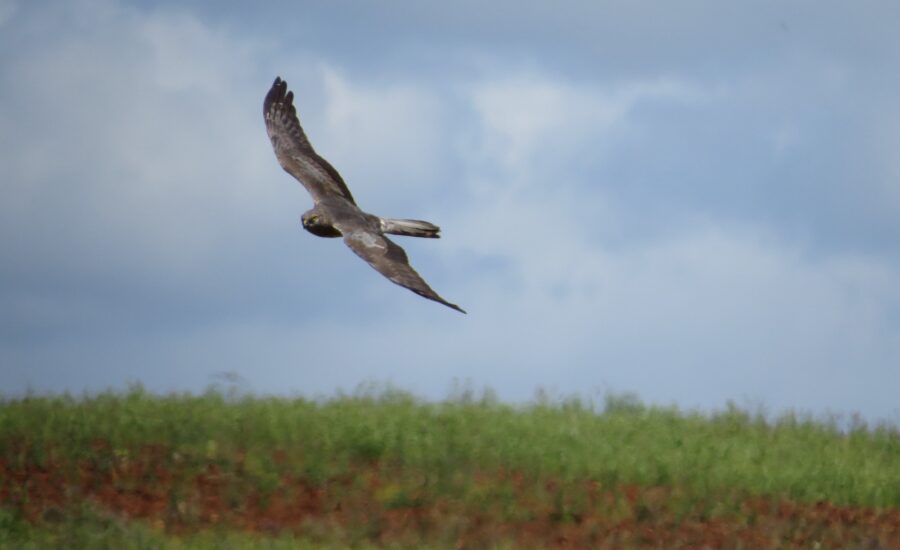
[[381, 469]]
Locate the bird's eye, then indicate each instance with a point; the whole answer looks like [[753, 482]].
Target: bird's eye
[[313, 219]]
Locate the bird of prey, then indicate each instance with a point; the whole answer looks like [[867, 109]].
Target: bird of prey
[[334, 212]]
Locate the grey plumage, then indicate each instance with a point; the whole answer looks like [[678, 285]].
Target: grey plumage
[[334, 212], [410, 228]]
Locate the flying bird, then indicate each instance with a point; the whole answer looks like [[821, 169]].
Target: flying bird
[[334, 212]]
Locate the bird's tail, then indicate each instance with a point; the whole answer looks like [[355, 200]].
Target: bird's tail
[[410, 228]]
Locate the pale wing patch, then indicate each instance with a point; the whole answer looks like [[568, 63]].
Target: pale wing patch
[[369, 240], [391, 261]]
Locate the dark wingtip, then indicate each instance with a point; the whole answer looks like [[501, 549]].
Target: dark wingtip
[[276, 94], [456, 307], [432, 295]]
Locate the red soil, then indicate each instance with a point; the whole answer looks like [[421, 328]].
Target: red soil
[[382, 505]]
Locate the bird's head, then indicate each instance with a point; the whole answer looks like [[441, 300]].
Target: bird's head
[[317, 223]]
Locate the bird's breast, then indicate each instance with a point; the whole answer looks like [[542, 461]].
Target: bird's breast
[[323, 231]]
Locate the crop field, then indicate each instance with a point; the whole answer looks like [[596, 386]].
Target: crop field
[[382, 469]]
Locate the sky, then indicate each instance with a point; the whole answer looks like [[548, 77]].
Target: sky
[[698, 204]]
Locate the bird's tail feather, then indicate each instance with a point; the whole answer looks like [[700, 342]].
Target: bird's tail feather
[[410, 228]]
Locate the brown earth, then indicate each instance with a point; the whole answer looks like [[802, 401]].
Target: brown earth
[[376, 503]]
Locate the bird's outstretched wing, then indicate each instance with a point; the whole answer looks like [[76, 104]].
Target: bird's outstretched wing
[[294, 152], [391, 261]]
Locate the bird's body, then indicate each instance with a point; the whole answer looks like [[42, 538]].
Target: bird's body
[[334, 212]]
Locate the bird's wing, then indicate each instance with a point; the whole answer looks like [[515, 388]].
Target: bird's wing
[[294, 152], [390, 260]]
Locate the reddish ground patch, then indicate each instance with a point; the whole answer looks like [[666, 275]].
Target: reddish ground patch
[[381, 504]]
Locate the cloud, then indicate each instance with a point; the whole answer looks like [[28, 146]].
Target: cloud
[[530, 115], [8, 9], [711, 314], [697, 320], [708, 309], [387, 139], [691, 233], [113, 155], [138, 161], [142, 192]]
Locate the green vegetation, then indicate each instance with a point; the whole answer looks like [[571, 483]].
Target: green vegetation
[[96, 529], [208, 469]]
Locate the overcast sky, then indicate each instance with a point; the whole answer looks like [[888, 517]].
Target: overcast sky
[[696, 202]]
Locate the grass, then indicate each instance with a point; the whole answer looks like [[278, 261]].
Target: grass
[[92, 528], [469, 456]]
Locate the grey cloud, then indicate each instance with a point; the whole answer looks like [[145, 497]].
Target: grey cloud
[[689, 204]]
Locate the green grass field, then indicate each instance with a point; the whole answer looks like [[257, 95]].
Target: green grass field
[[383, 469]]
